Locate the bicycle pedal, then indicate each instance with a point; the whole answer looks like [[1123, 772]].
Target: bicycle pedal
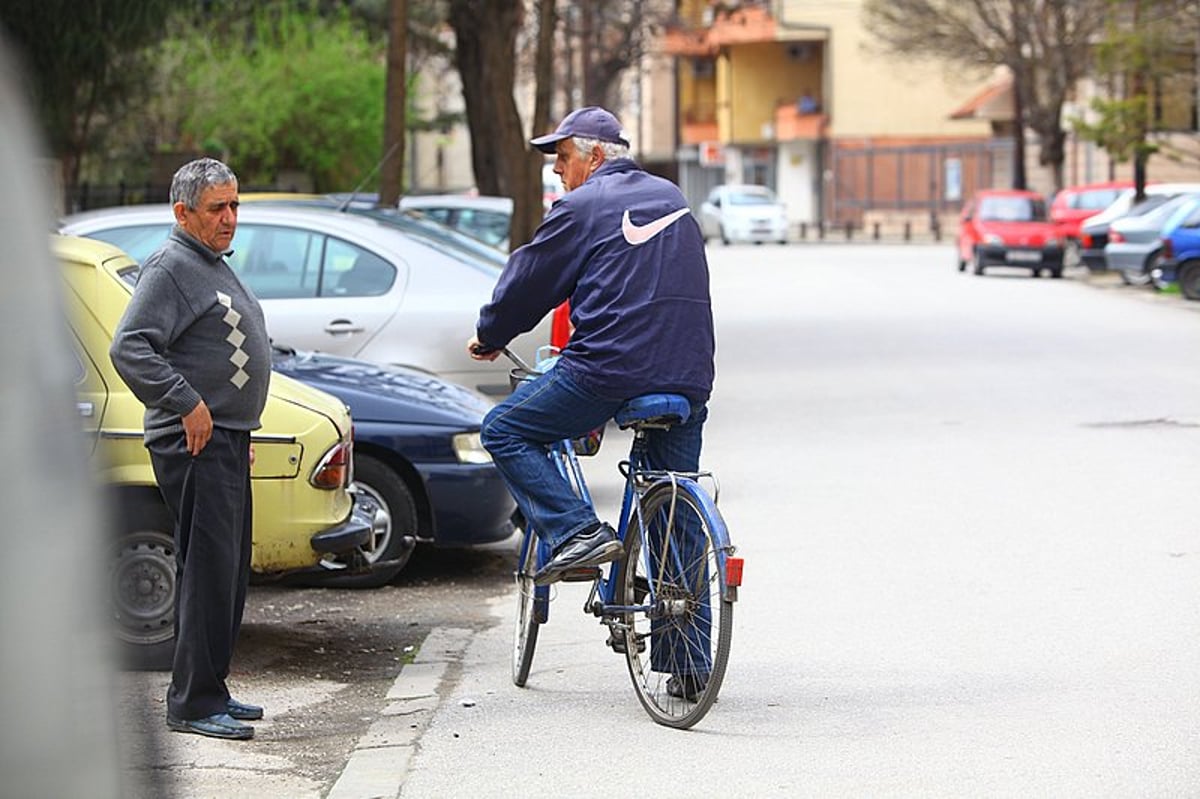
[[585, 574]]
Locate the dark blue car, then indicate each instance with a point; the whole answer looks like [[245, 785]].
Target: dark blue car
[[419, 469], [1181, 254]]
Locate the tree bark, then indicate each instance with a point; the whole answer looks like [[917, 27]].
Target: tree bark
[[391, 183], [485, 54]]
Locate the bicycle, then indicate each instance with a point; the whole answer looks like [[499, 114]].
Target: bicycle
[[668, 601]]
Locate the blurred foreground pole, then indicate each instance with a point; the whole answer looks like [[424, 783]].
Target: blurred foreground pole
[[58, 731]]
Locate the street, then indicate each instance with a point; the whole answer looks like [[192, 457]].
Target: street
[[972, 568]]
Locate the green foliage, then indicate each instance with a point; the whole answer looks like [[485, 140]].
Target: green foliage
[[1119, 128], [303, 93]]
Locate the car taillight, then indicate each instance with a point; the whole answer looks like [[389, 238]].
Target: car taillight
[[1085, 241], [1167, 250], [334, 470], [1115, 237]]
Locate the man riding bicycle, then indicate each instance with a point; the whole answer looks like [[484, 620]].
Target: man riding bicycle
[[622, 246]]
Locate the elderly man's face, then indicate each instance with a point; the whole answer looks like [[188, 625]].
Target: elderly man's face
[[214, 219], [572, 166]]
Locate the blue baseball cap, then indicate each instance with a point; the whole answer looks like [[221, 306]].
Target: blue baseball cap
[[591, 122]]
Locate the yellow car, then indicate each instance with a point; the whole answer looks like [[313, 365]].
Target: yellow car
[[303, 514]]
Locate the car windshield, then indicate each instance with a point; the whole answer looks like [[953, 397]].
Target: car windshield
[[1012, 209], [751, 197], [1094, 199]]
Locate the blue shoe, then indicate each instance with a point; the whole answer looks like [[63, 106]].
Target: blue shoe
[[243, 711], [588, 548], [218, 725]]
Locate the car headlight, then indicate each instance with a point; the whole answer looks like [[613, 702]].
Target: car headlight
[[992, 238], [469, 449]]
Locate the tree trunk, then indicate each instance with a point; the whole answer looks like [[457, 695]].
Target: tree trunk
[[485, 54], [1018, 163], [391, 183]]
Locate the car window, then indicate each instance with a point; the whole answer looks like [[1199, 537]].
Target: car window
[[744, 197], [1147, 205], [351, 271], [277, 262], [1094, 199], [487, 226], [1012, 209], [138, 241]]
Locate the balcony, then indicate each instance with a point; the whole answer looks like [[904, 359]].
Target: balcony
[[791, 125], [698, 124]]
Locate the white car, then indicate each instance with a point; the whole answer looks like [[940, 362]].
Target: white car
[[345, 284], [743, 213], [484, 218]]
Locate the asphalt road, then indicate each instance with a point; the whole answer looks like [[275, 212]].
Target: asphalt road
[[972, 569]]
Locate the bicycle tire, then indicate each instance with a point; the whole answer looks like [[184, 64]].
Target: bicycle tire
[[531, 610], [678, 636]]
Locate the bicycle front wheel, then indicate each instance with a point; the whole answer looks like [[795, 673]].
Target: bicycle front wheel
[[532, 610], [680, 622]]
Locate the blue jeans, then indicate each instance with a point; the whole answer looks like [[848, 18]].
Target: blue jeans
[[518, 431]]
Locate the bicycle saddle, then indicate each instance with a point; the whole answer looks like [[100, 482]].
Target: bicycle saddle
[[654, 410]]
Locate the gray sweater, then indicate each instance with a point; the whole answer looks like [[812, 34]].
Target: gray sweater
[[193, 331]]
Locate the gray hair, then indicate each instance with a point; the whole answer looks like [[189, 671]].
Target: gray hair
[[194, 177], [611, 150]]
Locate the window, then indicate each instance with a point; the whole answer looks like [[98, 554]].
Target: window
[[350, 271], [277, 262]]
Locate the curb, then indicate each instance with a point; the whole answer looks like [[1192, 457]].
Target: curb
[[381, 758]]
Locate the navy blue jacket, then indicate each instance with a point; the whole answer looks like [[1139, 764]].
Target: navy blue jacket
[[628, 254]]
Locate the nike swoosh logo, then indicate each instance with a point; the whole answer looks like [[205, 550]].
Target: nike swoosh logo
[[640, 234]]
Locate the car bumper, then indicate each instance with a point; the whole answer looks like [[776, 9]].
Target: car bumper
[[757, 234], [345, 537], [1128, 258], [1027, 257], [471, 504]]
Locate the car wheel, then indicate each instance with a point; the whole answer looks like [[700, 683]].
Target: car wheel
[[724, 236], [388, 500], [977, 261], [962, 264], [1189, 279], [1130, 278], [1158, 276], [1071, 256], [1056, 271], [142, 587]]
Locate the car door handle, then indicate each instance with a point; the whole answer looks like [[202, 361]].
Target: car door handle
[[342, 327]]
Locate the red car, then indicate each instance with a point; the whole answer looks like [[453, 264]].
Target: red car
[[1074, 204], [1008, 227]]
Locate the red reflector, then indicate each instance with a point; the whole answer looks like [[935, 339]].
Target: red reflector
[[733, 572]]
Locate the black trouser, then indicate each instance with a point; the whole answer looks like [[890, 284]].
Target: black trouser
[[209, 497]]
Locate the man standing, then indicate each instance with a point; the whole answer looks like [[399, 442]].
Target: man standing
[[622, 246], [193, 347]]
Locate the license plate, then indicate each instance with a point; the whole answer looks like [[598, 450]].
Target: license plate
[[1024, 256]]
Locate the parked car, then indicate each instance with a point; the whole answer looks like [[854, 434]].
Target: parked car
[[485, 218], [1093, 234], [743, 213], [1008, 227], [1075, 204], [303, 511], [1134, 245], [1181, 255], [346, 284], [418, 465]]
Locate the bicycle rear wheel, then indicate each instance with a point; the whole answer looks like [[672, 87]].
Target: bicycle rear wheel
[[677, 642], [532, 609]]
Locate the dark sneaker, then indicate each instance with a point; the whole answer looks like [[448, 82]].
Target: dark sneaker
[[218, 725], [588, 548], [686, 686]]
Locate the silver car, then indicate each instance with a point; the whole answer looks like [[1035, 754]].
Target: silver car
[[743, 213], [345, 284], [1135, 242]]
